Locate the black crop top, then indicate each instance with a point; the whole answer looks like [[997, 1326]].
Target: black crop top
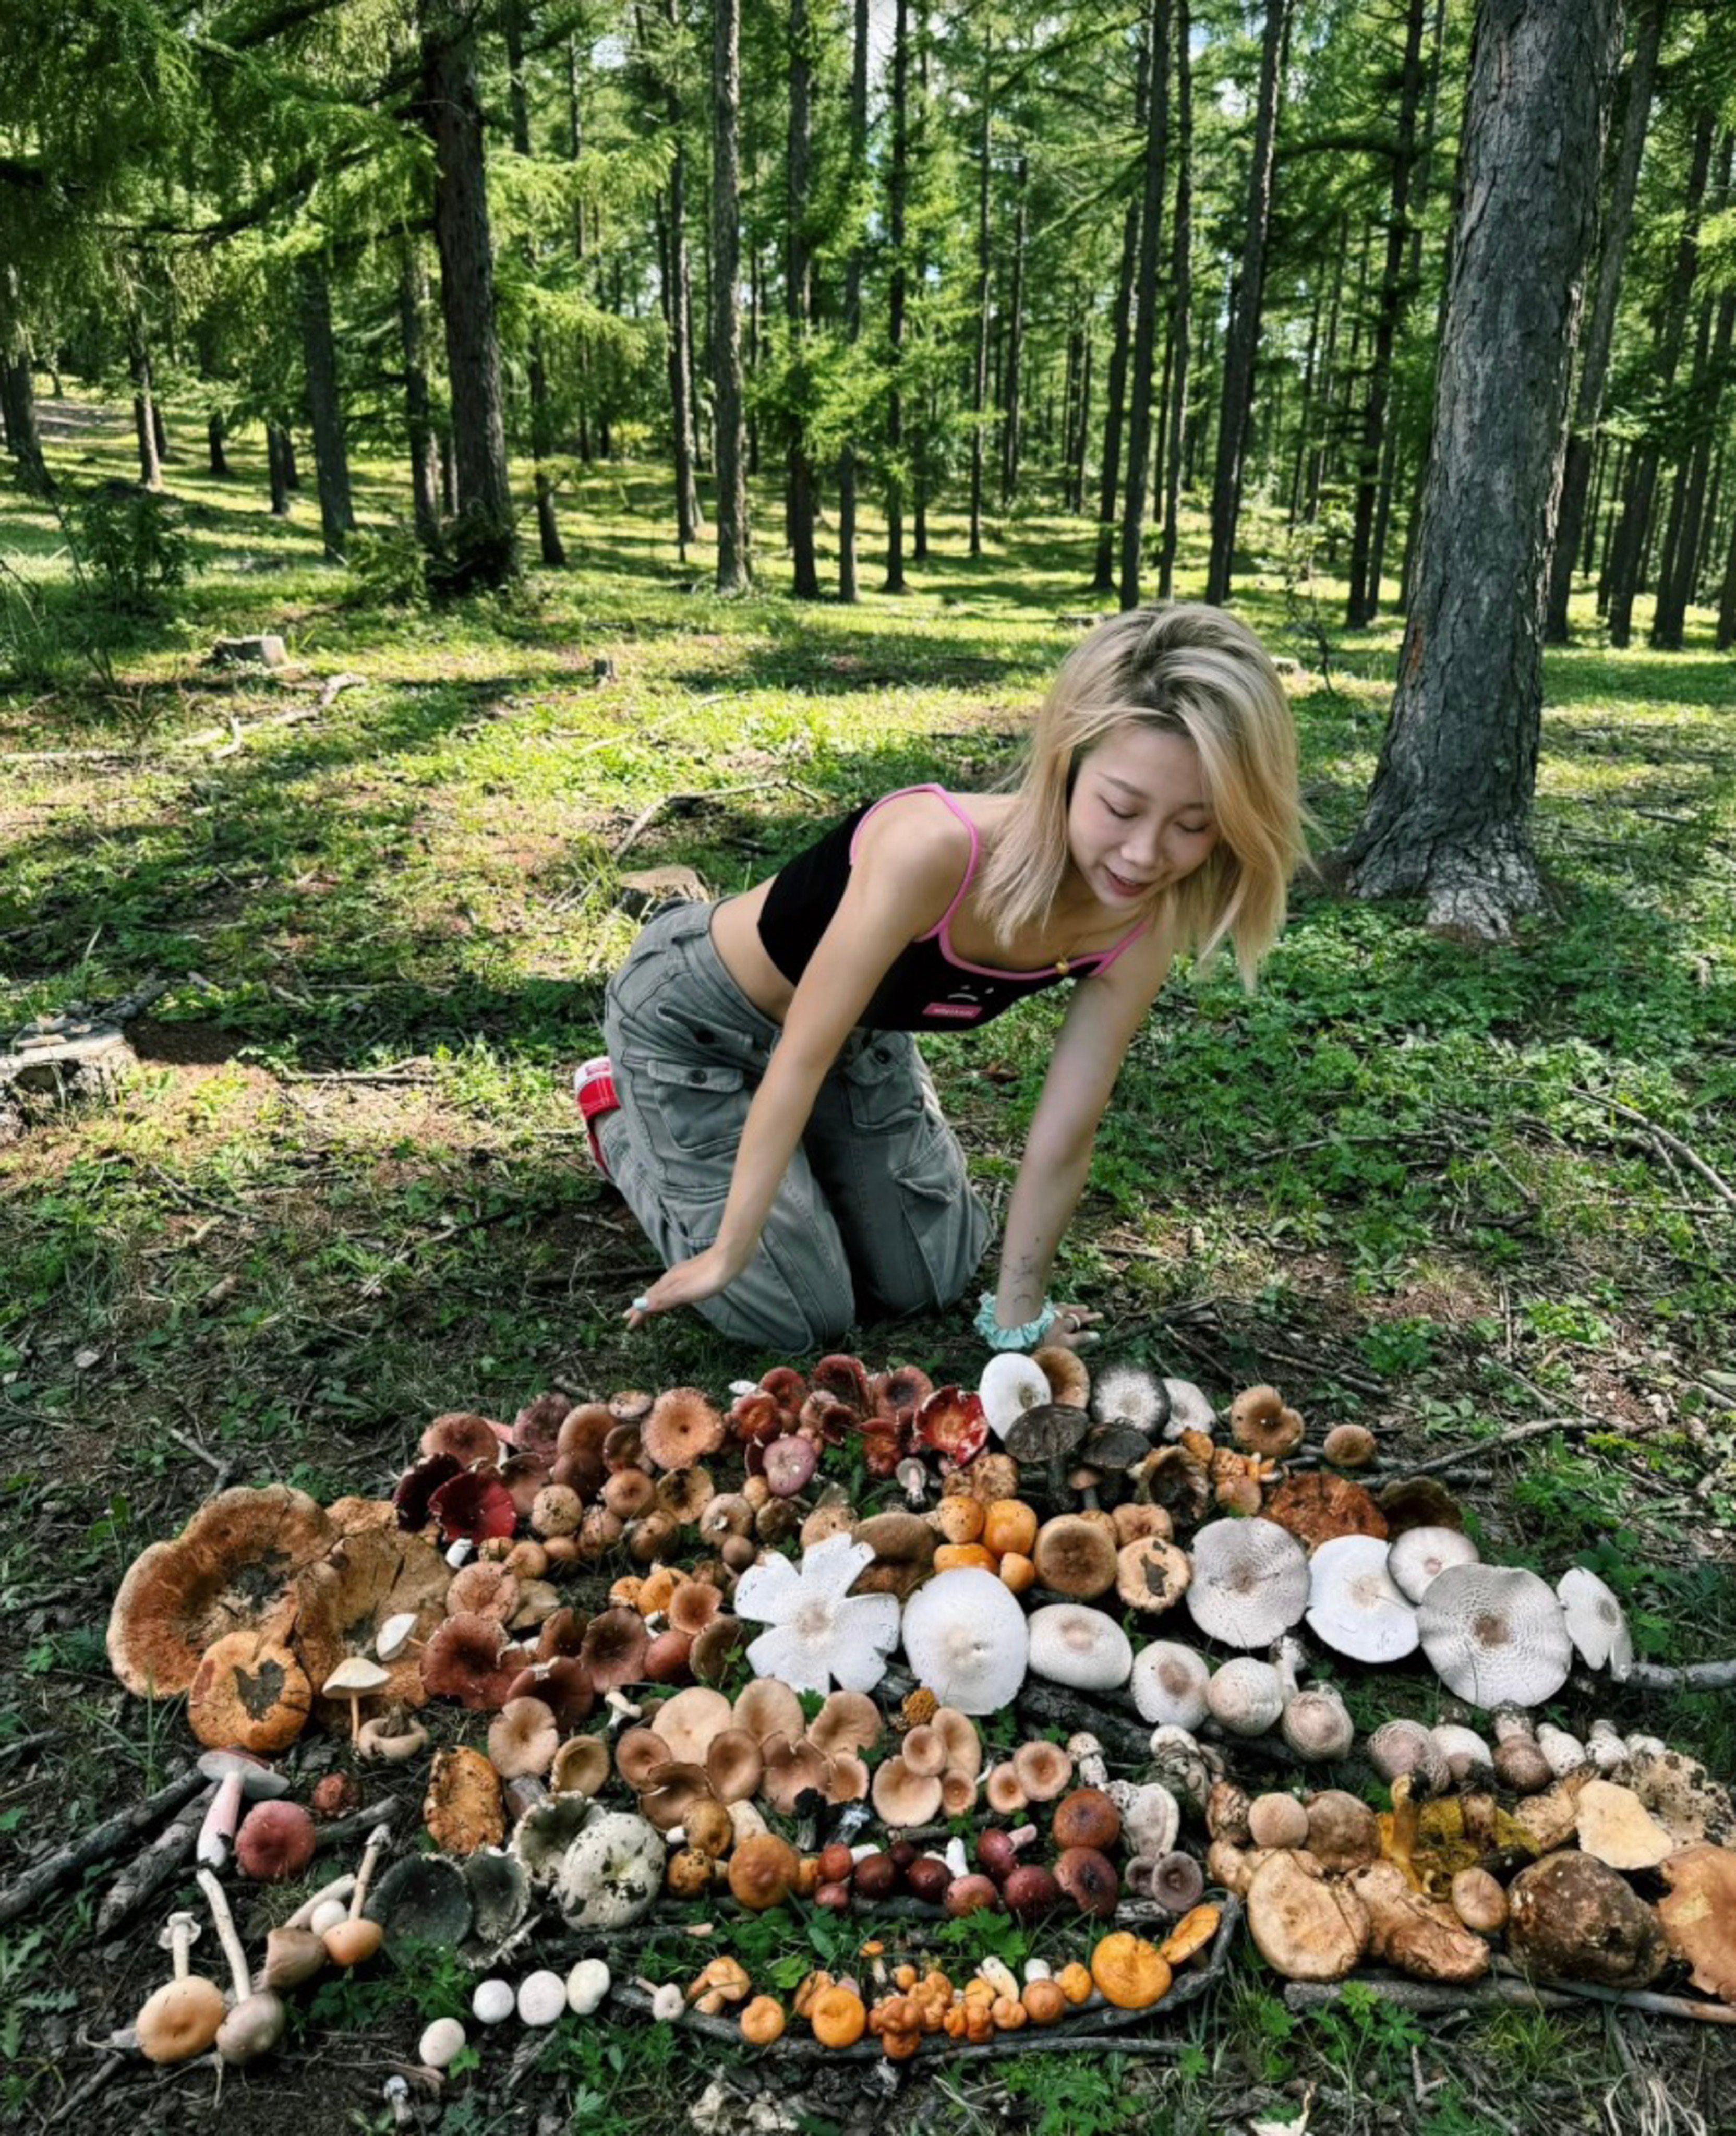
[[928, 987]]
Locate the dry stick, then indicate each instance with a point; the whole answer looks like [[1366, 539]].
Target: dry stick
[[1694, 1675], [163, 1861], [95, 1846], [648, 815], [87, 2088], [1665, 1140], [1544, 1994], [219, 1468], [1510, 1436]]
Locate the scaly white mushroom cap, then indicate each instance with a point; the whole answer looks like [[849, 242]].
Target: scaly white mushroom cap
[[1073, 1645], [965, 1639], [1250, 1581], [1190, 1411], [612, 1872], [1353, 1604], [1169, 1684], [1463, 1748], [1596, 1622], [1246, 1696], [1420, 1554], [1010, 1384], [1496, 1635]]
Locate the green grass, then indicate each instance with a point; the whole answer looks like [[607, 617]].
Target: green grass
[[345, 1189]]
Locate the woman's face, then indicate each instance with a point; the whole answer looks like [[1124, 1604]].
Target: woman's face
[[1138, 820]]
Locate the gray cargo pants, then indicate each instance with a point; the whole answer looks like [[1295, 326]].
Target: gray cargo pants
[[875, 1202]]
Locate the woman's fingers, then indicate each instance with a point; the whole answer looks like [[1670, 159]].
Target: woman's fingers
[[686, 1283], [1072, 1326]]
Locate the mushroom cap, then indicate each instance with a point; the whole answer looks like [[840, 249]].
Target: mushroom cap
[[1042, 1769], [1075, 1556], [768, 1707], [1615, 1825], [1246, 1696], [1250, 1582], [1418, 1501], [1316, 1506], [1260, 1423], [462, 1808], [1464, 1750], [500, 1893], [903, 1798], [1699, 1916], [464, 1434], [1169, 1682], [1596, 1622], [475, 1506], [733, 1764], [958, 1731], [1128, 1971], [467, 1660], [965, 1639], [614, 1649], [612, 1873], [1496, 1635], [1353, 1606], [673, 1790], [1152, 1574], [792, 1769], [1011, 1383], [1073, 1645], [849, 1720], [180, 2020], [248, 1690], [1415, 1558], [1317, 1725], [1570, 1916], [692, 1721], [1305, 1927], [346, 1601], [1349, 1446], [543, 1834], [229, 1569], [1069, 1380], [275, 1842], [682, 1428], [788, 1463], [904, 1546], [423, 1896], [522, 1739], [1127, 1394]]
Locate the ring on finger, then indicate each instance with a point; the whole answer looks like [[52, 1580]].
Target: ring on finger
[[640, 1305]]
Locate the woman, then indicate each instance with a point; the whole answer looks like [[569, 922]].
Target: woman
[[768, 1117]]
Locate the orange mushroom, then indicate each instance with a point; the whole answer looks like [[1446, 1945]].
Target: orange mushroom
[[1045, 2001], [761, 2021], [1075, 1984], [1129, 1972], [839, 2016]]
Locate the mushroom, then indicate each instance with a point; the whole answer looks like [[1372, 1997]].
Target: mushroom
[[1128, 1971], [1075, 1556], [1305, 1927], [1349, 1446], [1463, 1748], [904, 1798], [1407, 1746], [1150, 1817], [1353, 1606], [1041, 1771], [580, 1765], [1246, 1696], [248, 1691], [1595, 1622], [1277, 1820], [1318, 1506], [1518, 1757], [904, 1545], [1416, 1933], [682, 1428], [1126, 1393], [542, 1998], [1152, 1574], [1571, 1917], [441, 2043], [1616, 1826], [462, 1808], [239, 1777], [493, 2001], [255, 2019], [849, 1721], [1250, 1581], [181, 2017], [611, 1874], [965, 1637], [1168, 1683], [820, 1633], [396, 1743], [1416, 1558], [355, 1940], [1317, 1725], [1343, 1832], [1071, 1644], [1011, 1383], [586, 1985], [763, 1870], [276, 1843], [1494, 1635], [1698, 1916], [1260, 1424]]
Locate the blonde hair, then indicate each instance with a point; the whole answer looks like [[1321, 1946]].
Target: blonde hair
[[1185, 669]]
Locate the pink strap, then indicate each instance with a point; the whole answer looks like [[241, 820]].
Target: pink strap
[[1125, 942], [940, 925]]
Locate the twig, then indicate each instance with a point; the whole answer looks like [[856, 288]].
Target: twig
[[161, 1864], [113, 2062], [1534, 1429], [95, 1846], [1633, 1998], [648, 815], [20, 1744], [1692, 1675], [221, 1469], [1664, 1139]]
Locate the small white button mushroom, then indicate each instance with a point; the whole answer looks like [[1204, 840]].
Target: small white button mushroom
[[1037, 1968], [586, 1985], [493, 2001], [441, 2043], [328, 1913], [542, 1998]]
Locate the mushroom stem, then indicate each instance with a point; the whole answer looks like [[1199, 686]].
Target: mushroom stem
[[1407, 1815], [182, 1928], [228, 1935], [340, 1888], [220, 1820], [397, 2097], [378, 1839]]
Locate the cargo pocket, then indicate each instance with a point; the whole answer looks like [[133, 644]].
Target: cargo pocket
[[691, 1114], [928, 1256], [885, 1088]]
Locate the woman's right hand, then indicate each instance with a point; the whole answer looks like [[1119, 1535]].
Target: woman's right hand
[[701, 1276]]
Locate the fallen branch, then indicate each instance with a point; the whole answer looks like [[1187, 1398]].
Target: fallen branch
[[680, 802], [161, 1864], [1503, 1991], [1665, 1140], [1693, 1675], [96, 1846], [1534, 1429]]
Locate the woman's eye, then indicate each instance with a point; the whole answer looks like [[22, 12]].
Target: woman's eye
[[1121, 815], [1194, 830]]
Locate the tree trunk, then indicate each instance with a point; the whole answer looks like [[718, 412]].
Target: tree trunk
[[1365, 594], [144, 423], [591, 376], [1242, 343], [425, 455], [22, 439], [1449, 817], [1181, 300], [985, 295], [1010, 414], [542, 428], [1628, 568], [1727, 596], [292, 473], [1108, 492], [215, 428], [898, 182], [325, 408], [798, 299], [1611, 524], [1081, 422], [451, 114], [275, 473], [735, 563], [1145, 322], [1601, 324], [853, 293]]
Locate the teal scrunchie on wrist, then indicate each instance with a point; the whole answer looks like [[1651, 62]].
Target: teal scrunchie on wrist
[[998, 1337]]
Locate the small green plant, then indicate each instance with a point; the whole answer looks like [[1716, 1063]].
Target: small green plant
[[389, 569], [135, 542]]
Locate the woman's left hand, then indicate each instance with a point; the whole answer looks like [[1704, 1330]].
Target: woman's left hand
[[1070, 1329]]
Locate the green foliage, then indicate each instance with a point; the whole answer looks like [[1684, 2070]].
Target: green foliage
[[1079, 2095], [136, 543]]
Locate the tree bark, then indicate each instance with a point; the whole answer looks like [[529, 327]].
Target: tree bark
[[277, 469], [325, 408], [1081, 422], [144, 412], [898, 182], [798, 300], [1109, 493], [425, 456], [542, 429], [1601, 325], [1365, 594], [1627, 567], [214, 430], [1145, 322], [22, 439], [985, 294], [1181, 300], [1011, 413], [452, 113], [853, 291], [1448, 816], [735, 558], [1242, 345]]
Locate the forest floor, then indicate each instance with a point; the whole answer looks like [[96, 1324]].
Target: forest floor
[[1440, 1190]]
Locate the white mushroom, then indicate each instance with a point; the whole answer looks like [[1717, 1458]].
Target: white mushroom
[[1190, 1411], [493, 2001], [1317, 1725], [1151, 1819], [1464, 1750], [1606, 1748], [1074, 1644], [1246, 1696], [1496, 1635], [542, 1998], [1010, 1384], [586, 1985], [1353, 1604], [1127, 1394], [441, 2043], [1169, 1684], [1087, 1753], [1250, 1581], [1596, 1623], [965, 1639], [1565, 1753], [1420, 1555], [612, 1872]]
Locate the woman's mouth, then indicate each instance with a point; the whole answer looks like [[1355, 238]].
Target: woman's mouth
[[1123, 887]]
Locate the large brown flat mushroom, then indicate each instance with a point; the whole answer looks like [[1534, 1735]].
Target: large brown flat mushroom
[[345, 1598], [1699, 1915], [1413, 1932], [1304, 1927]]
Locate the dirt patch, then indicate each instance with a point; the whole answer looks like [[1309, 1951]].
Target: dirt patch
[[183, 1045]]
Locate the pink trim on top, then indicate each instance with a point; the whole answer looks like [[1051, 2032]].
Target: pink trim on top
[[1100, 959]]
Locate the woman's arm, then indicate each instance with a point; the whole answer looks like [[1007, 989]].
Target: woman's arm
[[908, 864], [1101, 1020]]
